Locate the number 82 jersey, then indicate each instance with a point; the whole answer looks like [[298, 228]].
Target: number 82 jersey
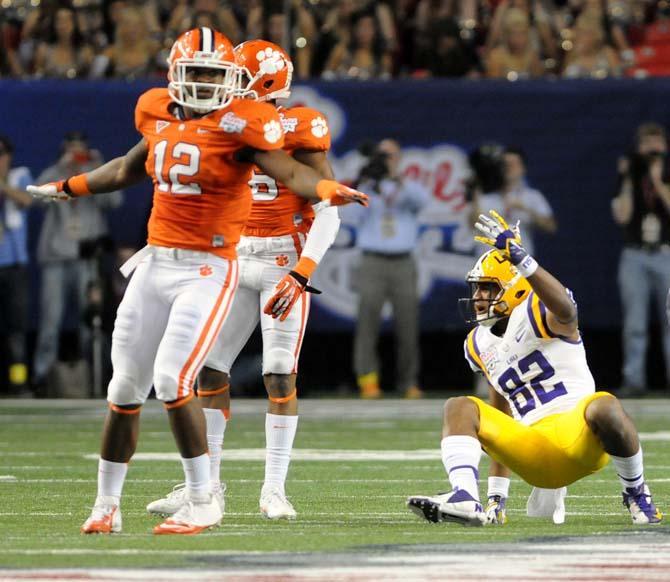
[[538, 372]]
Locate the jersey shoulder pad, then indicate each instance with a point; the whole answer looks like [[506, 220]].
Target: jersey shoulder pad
[[151, 104], [471, 350], [253, 124], [305, 128]]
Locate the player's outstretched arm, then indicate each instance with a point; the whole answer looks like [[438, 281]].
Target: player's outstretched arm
[[116, 174], [319, 239], [305, 181], [561, 308]]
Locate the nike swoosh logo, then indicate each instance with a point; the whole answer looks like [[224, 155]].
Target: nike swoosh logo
[[519, 337], [278, 426], [201, 130]]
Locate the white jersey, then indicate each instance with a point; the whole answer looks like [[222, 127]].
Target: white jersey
[[538, 372]]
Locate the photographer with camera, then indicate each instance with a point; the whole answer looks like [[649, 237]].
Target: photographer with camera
[[387, 234], [71, 240], [499, 183], [642, 208]]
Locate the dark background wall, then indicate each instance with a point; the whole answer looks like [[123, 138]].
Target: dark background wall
[[573, 132]]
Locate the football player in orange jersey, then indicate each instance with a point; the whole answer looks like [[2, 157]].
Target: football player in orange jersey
[[282, 243], [199, 145]]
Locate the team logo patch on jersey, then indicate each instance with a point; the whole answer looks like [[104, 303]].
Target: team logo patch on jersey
[[161, 125], [272, 131], [288, 123], [206, 271], [281, 260], [231, 123], [319, 127]]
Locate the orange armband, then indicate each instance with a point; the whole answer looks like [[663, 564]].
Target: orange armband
[[77, 186], [305, 267]]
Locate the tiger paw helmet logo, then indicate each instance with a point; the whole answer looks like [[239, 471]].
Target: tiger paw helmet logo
[[270, 61], [319, 127], [272, 131], [205, 271], [281, 260]]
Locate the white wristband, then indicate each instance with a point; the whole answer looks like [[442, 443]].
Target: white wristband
[[528, 266]]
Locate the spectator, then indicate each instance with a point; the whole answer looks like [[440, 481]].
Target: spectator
[[541, 33], [517, 201], [448, 54], [591, 57], [387, 235], [132, 55], [66, 251], [365, 57], [515, 58], [642, 209], [14, 290], [64, 53]]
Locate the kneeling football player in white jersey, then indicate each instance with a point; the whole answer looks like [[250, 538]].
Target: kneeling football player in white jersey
[[545, 422]]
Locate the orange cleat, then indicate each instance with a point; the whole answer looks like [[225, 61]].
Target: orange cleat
[[105, 517]]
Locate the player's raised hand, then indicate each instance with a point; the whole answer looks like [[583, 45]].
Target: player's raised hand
[[49, 192], [498, 234], [339, 194], [495, 510], [287, 292]]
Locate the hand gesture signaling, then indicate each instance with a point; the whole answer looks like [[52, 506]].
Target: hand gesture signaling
[[498, 234], [339, 194], [507, 240], [49, 192]]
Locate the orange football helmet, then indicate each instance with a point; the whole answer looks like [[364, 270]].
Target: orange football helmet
[[209, 51], [266, 70]]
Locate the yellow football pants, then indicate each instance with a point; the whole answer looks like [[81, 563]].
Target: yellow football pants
[[554, 452]]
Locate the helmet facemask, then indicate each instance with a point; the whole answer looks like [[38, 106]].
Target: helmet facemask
[[203, 96], [496, 307]]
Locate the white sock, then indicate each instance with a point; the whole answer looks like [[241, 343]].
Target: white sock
[[629, 470], [498, 486], [279, 435], [216, 429], [460, 456], [196, 471], [111, 477]]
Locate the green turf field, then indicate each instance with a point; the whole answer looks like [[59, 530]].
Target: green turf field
[[47, 486]]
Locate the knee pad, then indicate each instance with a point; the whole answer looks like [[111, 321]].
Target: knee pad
[[123, 390], [166, 386], [278, 361]]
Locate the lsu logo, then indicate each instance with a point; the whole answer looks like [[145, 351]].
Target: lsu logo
[[206, 271], [281, 260]]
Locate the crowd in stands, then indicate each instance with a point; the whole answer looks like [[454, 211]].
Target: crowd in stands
[[352, 39]]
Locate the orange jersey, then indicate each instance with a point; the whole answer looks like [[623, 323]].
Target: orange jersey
[[276, 210], [202, 197]]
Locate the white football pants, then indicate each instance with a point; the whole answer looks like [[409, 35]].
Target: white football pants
[[168, 320], [263, 263]]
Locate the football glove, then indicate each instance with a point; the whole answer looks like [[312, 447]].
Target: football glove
[[49, 192], [339, 194], [287, 292], [495, 510], [498, 234]]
